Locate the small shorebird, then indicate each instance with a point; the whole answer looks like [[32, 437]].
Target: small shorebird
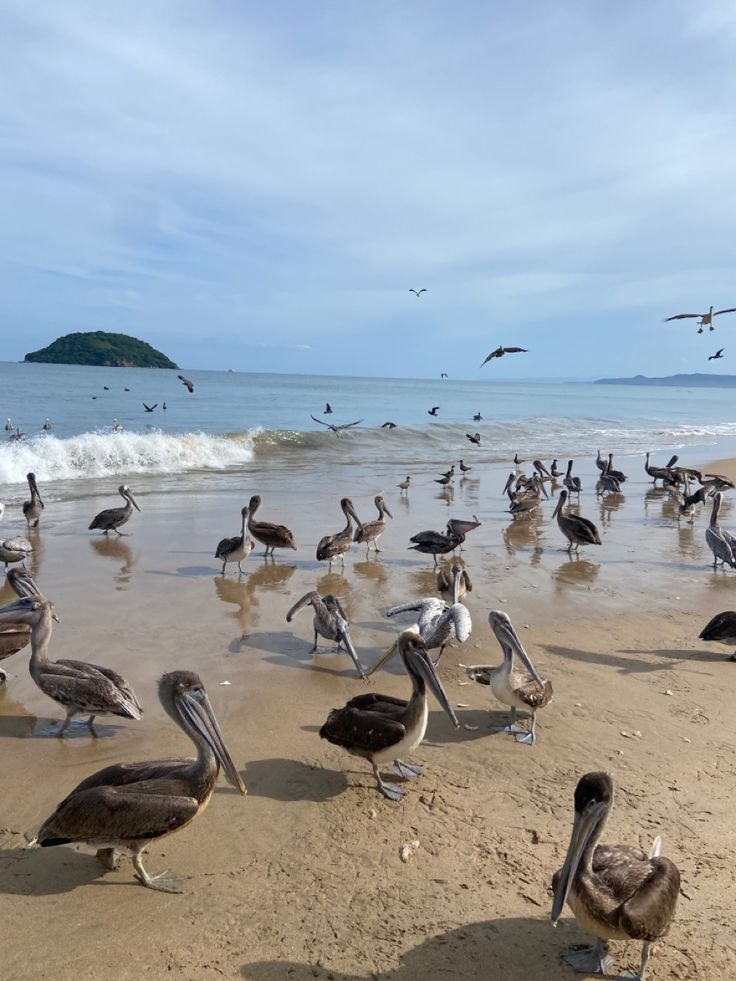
[[113, 518], [576, 529], [122, 808], [704, 319], [371, 531], [512, 686], [464, 469], [33, 509], [330, 621], [383, 729], [236, 549], [615, 892], [268, 534], [404, 485], [388, 425], [335, 546]]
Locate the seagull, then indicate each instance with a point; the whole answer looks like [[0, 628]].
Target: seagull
[[473, 439], [433, 411], [717, 355], [704, 319], [148, 408], [185, 381], [418, 293], [443, 374], [500, 351], [328, 409], [336, 429], [389, 425]]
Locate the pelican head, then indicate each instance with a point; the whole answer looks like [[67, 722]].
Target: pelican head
[[507, 637], [381, 505], [125, 493], [560, 503], [348, 508], [29, 609], [414, 654], [593, 801], [31, 478], [342, 630], [183, 697], [253, 504]]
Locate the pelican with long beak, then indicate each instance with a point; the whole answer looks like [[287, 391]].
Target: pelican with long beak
[[383, 729], [615, 892], [268, 534], [371, 531], [335, 546], [512, 686], [721, 542], [32, 509], [576, 529], [124, 807], [330, 621], [235, 549], [113, 518], [15, 636]]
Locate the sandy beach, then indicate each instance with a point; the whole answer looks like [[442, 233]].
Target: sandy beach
[[303, 878]]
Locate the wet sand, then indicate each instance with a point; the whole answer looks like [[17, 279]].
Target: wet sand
[[303, 878]]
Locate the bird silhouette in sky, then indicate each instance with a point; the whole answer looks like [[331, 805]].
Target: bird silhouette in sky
[[704, 319], [717, 355], [500, 351], [418, 293], [150, 408], [434, 410], [185, 381]]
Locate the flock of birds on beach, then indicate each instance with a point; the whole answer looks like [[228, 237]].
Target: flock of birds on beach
[[615, 892]]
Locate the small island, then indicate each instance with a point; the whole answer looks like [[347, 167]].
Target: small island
[[98, 347], [696, 380]]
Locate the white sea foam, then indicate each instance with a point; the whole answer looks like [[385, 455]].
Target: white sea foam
[[101, 454]]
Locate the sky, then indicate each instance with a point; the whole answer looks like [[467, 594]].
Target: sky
[[258, 186]]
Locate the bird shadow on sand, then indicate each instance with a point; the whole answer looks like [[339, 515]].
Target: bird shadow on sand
[[630, 664], [513, 949], [187, 571], [285, 654], [290, 780], [50, 871]]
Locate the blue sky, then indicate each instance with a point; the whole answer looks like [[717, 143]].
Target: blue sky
[[257, 185]]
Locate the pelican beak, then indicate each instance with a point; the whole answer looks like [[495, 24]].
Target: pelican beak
[[384, 660], [198, 712], [583, 827], [347, 641], [507, 636], [387, 511], [423, 663], [17, 611], [132, 501]]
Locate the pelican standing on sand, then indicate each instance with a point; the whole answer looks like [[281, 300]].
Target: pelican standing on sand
[[573, 484], [576, 529], [113, 518], [615, 892], [16, 549], [335, 546], [446, 584], [512, 686], [720, 542], [371, 531], [32, 509], [122, 808], [79, 687], [383, 729], [434, 543], [268, 534], [330, 621], [237, 548]]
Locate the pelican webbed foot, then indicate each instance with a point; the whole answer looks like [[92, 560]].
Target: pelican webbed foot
[[509, 730], [590, 960], [163, 882], [407, 770], [389, 790]]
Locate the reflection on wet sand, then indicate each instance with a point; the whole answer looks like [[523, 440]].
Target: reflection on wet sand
[[578, 572], [120, 551], [608, 505], [271, 575], [371, 570], [447, 494], [522, 533], [334, 583]]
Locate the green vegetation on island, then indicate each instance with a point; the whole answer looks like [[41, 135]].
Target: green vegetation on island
[[98, 347], [695, 380]]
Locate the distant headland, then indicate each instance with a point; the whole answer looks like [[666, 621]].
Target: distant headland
[[675, 381], [98, 347]]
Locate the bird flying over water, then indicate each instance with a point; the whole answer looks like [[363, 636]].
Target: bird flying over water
[[148, 408], [717, 355], [434, 410], [328, 409], [185, 381], [443, 374], [500, 351], [704, 319], [473, 439], [388, 425], [336, 429], [418, 293]]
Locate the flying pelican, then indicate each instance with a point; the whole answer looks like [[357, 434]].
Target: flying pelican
[[32, 509], [434, 543], [404, 485], [704, 319], [270, 535], [337, 429], [113, 518], [434, 410], [718, 355], [9, 427], [124, 807], [79, 687], [615, 891], [371, 531], [186, 383], [330, 621], [473, 439], [381, 728], [446, 584], [333, 546], [500, 351], [720, 542], [722, 630], [236, 549], [573, 484], [576, 529], [16, 549], [148, 408], [46, 426], [15, 636], [519, 689], [437, 622], [418, 293]]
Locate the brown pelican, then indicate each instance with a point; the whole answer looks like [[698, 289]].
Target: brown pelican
[[576, 529], [464, 469], [337, 429], [716, 482], [124, 807], [607, 483], [722, 630], [9, 427], [600, 461], [79, 687], [434, 543], [381, 728], [148, 408], [32, 509], [16, 549], [615, 892], [270, 535], [15, 636], [186, 383], [473, 438], [17, 436], [573, 484], [517, 688], [500, 351], [459, 528], [717, 355], [113, 518], [335, 546], [720, 542], [434, 410], [237, 548], [46, 426], [330, 621], [404, 485], [371, 531], [327, 409], [418, 293], [524, 503], [618, 474], [477, 417], [659, 473], [554, 472], [704, 319], [437, 622], [446, 584]]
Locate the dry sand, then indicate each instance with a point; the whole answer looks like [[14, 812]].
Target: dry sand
[[303, 878]]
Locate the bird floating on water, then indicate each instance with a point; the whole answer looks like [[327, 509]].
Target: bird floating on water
[[9, 427], [122, 808], [615, 892], [330, 621], [189, 385], [47, 425], [117, 427], [388, 425], [477, 417], [500, 351], [235, 549], [704, 319], [336, 429], [111, 519], [383, 729]]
